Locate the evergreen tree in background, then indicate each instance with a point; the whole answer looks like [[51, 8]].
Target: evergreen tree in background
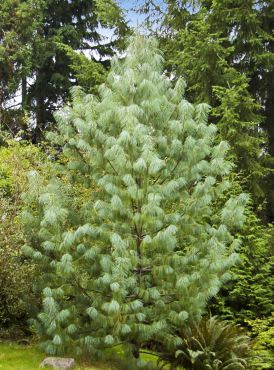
[[130, 241], [19, 22], [33, 60], [223, 50], [249, 295]]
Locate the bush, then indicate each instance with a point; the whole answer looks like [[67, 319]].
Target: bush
[[16, 272], [263, 331], [210, 345]]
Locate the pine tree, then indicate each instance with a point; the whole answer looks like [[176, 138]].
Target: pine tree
[[129, 239]]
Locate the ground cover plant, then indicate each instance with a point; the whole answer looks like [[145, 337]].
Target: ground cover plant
[[211, 344]]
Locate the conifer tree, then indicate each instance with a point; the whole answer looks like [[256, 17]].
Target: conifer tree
[[38, 39], [129, 239], [213, 45], [249, 293]]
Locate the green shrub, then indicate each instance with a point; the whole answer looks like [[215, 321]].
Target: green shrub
[[263, 332], [210, 345], [16, 272]]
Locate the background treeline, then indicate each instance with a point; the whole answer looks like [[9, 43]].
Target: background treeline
[[223, 49], [37, 60]]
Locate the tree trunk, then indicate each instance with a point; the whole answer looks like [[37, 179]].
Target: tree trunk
[[24, 93], [40, 111]]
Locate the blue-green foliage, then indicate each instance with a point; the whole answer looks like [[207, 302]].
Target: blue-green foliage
[[129, 238]]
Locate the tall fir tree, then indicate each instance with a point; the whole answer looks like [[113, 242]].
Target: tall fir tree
[[130, 241], [213, 44]]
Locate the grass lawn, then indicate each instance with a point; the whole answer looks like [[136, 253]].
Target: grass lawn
[[19, 357]]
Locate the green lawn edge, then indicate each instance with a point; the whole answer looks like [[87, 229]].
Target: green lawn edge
[[15, 356]]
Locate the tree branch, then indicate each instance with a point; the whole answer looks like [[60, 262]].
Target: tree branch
[[112, 167]]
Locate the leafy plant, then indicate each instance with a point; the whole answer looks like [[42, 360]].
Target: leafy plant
[[210, 345], [16, 272], [263, 332]]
